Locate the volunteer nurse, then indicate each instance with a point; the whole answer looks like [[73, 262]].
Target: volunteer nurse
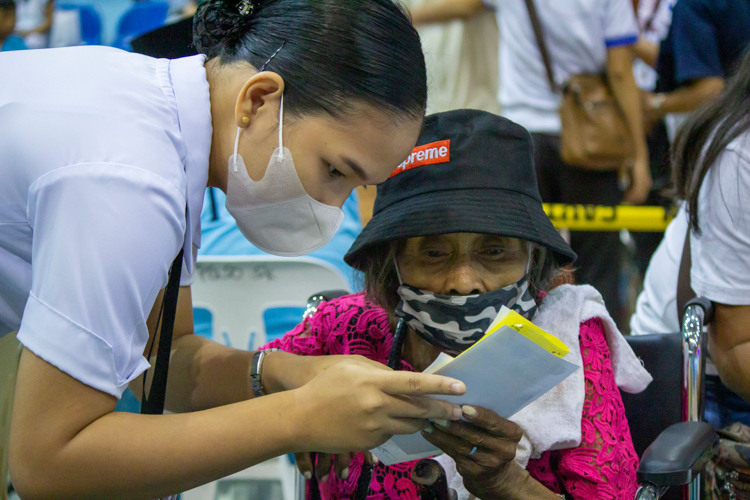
[[104, 157]]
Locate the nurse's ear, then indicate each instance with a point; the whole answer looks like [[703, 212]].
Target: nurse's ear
[[259, 99]]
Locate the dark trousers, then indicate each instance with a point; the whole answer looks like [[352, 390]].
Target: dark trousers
[[724, 407], [599, 253]]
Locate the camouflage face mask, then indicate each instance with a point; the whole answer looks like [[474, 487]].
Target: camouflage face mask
[[454, 323]]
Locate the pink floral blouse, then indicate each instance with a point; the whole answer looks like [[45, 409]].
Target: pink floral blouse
[[602, 467]]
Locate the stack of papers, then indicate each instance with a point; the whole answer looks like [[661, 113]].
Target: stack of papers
[[515, 363]]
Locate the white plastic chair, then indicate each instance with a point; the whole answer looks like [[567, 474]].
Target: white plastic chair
[[236, 290]]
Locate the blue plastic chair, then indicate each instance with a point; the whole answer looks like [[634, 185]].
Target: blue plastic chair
[[91, 23], [141, 18]]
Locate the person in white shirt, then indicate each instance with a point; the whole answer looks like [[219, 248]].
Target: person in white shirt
[[104, 159], [583, 36], [654, 19], [34, 21], [712, 175]]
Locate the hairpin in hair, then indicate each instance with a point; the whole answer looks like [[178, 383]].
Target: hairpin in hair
[[263, 67], [246, 7]]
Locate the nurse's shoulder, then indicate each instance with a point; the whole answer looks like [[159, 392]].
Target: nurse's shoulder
[[84, 105]]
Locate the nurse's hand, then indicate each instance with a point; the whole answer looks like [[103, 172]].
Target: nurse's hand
[[354, 405], [284, 371], [326, 464]]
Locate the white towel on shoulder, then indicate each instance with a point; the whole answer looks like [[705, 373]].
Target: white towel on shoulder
[[553, 421]]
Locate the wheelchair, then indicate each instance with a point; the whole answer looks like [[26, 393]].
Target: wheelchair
[[678, 454], [666, 420]]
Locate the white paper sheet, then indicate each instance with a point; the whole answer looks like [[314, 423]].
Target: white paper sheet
[[504, 373]]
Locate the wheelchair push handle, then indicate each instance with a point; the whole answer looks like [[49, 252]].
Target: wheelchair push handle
[[698, 313], [703, 304]]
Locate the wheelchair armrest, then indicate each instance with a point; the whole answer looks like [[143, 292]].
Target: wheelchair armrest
[[678, 454]]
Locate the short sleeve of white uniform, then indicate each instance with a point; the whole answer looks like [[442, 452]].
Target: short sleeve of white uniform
[[620, 25], [721, 254], [104, 238]]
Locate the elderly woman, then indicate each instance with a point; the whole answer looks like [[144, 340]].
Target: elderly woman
[[459, 228]]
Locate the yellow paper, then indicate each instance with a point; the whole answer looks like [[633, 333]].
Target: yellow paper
[[510, 318]]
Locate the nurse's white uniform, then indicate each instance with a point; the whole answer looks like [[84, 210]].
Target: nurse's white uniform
[[101, 152]]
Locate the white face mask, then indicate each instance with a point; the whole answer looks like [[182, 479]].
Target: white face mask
[[276, 214]]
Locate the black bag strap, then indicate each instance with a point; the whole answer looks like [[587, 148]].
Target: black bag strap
[[684, 288], [154, 403], [536, 25], [650, 21]]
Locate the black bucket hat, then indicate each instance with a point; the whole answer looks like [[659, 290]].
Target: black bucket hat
[[471, 172]]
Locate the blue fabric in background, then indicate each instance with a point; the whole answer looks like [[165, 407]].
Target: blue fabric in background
[[13, 43], [220, 235], [111, 11]]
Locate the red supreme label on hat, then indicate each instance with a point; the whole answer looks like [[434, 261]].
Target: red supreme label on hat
[[428, 154]]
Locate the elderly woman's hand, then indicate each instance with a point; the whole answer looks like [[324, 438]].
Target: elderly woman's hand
[[484, 449]]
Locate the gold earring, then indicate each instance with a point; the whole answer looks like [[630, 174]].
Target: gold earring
[[245, 120]]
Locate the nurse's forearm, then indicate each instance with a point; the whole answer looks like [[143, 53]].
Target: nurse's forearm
[[120, 455], [204, 374], [67, 444]]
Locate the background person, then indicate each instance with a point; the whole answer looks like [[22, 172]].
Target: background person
[[706, 40], [8, 41], [124, 146], [447, 247], [582, 37], [711, 164], [654, 19], [34, 21], [462, 70]]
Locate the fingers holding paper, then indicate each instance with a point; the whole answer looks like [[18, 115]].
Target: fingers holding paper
[[371, 407], [483, 447], [486, 439]]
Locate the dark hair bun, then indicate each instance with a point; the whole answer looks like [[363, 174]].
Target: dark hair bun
[[218, 26]]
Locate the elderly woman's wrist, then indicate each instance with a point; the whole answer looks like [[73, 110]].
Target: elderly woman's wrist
[[515, 483]]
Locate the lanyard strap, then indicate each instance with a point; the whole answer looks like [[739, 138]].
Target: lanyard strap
[[154, 403]]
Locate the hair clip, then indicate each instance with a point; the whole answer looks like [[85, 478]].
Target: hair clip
[[246, 7], [263, 67]]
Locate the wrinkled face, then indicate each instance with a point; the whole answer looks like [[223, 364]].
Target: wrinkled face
[[334, 155], [7, 22], [463, 263]]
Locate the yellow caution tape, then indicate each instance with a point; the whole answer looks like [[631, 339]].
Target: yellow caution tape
[[604, 218]]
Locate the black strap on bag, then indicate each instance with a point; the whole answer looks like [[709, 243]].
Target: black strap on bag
[[536, 25], [154, 403], [650, 21]]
